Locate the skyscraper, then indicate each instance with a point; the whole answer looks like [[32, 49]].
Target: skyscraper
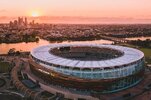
[[26, 22]]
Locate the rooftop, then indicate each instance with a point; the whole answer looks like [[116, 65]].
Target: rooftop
[[130, 55]]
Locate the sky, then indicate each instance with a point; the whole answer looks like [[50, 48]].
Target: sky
[[102, 10]]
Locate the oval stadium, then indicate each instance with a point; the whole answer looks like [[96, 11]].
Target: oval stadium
[[89, 68]]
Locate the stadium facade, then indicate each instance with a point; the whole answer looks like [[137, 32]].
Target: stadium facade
[[90, 68]]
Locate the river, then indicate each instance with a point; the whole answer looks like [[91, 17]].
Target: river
[[4, 48]]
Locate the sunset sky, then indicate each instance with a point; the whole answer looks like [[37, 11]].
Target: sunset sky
[[136, 10]]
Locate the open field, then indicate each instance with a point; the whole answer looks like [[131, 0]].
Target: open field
[[147, 53], [4, 67]]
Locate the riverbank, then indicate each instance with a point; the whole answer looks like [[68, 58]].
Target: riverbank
[[19, 40]]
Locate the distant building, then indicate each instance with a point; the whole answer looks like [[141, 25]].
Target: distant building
[[33, 22], [10, 24], [15, 23], [26, 22], [21, 23]]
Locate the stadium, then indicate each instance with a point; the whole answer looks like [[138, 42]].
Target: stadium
[[89, 68]]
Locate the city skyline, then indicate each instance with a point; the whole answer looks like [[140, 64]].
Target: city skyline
[[94, 11]]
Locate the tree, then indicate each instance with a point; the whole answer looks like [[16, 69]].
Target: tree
[[11, 51]]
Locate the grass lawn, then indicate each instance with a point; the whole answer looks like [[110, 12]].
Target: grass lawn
[[146, 51], [4, 67]]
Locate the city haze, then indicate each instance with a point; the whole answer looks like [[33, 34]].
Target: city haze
[[78, 11]]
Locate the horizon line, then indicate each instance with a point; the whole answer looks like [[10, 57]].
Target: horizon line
[[80, 20]]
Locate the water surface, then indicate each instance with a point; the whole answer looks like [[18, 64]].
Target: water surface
[[4, 48]]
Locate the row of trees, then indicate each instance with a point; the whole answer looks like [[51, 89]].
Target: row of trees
[[142, 43], [15, 38], [13, 52]]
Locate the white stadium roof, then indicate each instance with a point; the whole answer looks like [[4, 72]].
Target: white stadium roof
[[130, 55]]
